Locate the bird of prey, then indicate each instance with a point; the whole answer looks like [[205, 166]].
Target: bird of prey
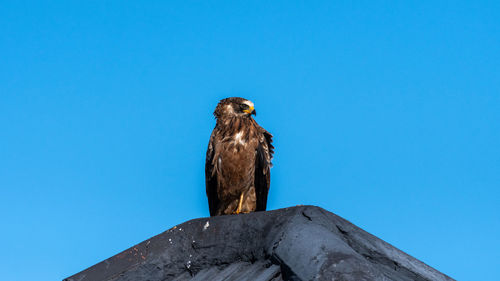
[[239, 154]]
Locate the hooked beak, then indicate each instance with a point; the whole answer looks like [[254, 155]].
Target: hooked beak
[[250, 110]]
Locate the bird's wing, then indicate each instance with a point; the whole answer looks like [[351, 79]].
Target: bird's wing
[[211, 175], [263, 164]]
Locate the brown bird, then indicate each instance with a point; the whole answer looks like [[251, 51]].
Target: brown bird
[[238, 160]]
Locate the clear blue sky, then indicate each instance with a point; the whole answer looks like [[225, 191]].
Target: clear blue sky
[[387, 114]]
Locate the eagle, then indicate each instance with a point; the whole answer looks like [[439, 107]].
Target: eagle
[[238, 160]]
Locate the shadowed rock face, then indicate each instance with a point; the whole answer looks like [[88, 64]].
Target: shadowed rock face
[[298, 243]]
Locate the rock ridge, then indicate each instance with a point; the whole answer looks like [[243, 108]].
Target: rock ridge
[[296, 243]]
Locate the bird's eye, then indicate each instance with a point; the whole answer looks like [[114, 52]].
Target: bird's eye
[[244, 106]]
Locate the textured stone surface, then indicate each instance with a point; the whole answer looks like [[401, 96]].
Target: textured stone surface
[[298, 243]]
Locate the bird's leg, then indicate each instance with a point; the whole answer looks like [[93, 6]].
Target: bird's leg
[[239, 204]]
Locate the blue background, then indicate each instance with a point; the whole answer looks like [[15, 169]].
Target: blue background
[[384, 113]]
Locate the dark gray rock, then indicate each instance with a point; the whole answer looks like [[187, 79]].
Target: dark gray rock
[[298, 243]]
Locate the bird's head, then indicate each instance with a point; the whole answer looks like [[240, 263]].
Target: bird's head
[[234, 107]]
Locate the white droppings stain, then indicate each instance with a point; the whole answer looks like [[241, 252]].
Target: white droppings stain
[[170, 240], [207, 224], [188, 265]]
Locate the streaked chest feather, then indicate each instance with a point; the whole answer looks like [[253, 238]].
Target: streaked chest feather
[[239, 138], [237, 149]]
